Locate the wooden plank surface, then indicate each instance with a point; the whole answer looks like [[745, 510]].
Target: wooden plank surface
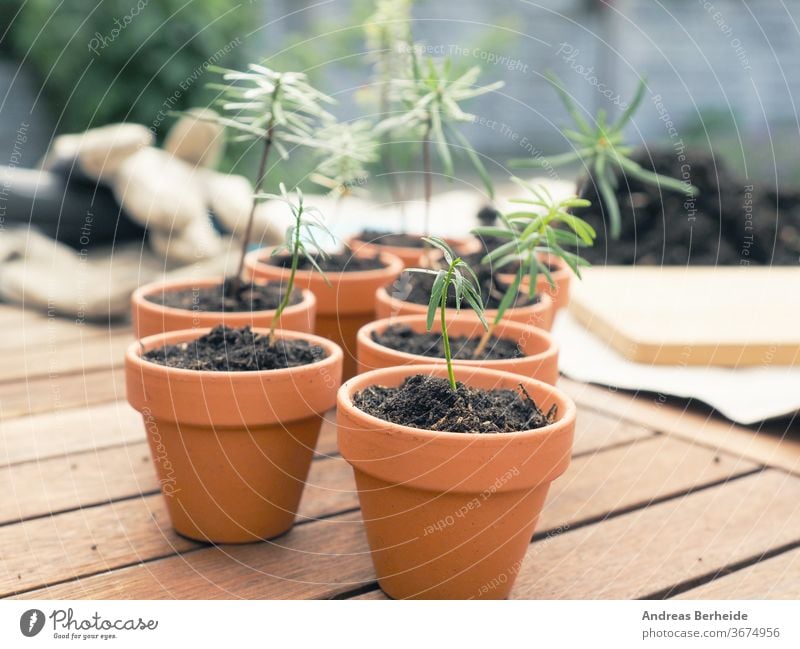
[[651, 550], [633, 310], [579, 499], [775, 578]]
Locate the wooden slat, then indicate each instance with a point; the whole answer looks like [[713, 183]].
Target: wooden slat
[[595, 431], [60, 392], [48, 550], [36, 333], [69, 431], [766, 447], [775, 578], [74, 357], [332, 480], [316, 560], [633, 475], [650, 550]]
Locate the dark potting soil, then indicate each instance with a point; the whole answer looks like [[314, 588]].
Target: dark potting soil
[[397, 239], [730, 221], [416, 288], [225, 349], [340, 262], [403, 338], [226, 297], [430, 403]]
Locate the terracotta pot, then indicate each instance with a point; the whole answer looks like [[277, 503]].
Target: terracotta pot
[[451, 515], [411, 256], [344, 306], [150, 318], [538, 315], [541, 351], [562, 276], [232, 449]]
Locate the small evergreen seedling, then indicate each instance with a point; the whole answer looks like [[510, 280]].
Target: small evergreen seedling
[[431, 99], [533, 236], [299, 241], [275, 108], [603, 151], [465, 287], [344, 150]]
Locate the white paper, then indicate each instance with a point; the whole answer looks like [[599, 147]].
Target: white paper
[[746, 396]]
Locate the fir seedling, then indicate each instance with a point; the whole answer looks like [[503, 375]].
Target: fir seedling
[[344, 150], [465, 287], [275, 108], [603, 152], [388, 32], [299, 242], [430, 95], [533, 236]]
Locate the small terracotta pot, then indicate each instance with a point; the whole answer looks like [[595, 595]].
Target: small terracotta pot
[[344, 306], [562, 276], [541, 351], [150, 318], [232, 449], [411, 256], [451, 515], [538, 315]]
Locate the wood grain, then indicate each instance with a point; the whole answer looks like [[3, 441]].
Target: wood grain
[[779, 449], [64, 432], [775, 578], [652, 549]]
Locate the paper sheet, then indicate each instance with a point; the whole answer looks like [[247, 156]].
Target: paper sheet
[[746, 396]]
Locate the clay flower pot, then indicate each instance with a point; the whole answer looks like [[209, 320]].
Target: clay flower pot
[[410, 255], [451, 515], [344, 306], [232, 449], [541, 351], [150, 318], [538, 315]]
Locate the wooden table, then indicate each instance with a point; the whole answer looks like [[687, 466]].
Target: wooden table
[[660, 500]]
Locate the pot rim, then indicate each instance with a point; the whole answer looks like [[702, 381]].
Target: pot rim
[[365, 338], [383, 426], [138, 297], [544, 304], [134, 358], [393, 265]]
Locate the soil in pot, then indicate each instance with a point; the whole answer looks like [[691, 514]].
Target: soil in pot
[[396, 239], [429, 403], [416, 288], [341, 262], [225, 349], [403, 338], [225, 297]]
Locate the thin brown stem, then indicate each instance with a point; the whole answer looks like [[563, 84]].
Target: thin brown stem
[[262, 167], [484, 340]]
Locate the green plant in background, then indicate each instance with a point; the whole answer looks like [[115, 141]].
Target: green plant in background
[[388, 33], [533, 236], [299, 241], [465, 287], [274, 108], [118, 61], [603, 152], [430, 96], [344, 150]]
